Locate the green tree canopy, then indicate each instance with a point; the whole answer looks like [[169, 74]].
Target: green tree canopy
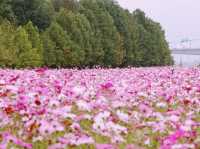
[[61, 50], [106, 30], [71, 5], [7, 45], [78, 28], [78, 33], [40, 12], [36, 42]]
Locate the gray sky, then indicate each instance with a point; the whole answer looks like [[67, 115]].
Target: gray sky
[[179, 18]]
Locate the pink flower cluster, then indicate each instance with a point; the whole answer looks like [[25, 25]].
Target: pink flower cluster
[[133, 108]]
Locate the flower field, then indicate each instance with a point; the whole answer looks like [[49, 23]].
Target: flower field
[[133, 108]]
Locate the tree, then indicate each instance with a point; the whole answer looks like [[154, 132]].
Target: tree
[[27, 56], [110, 38], [23, 46], [69, 33], [49, 54], [40, 12], [7, 48], [97, 49], [126, 28], [71, 5], [78, 28], [59, 40], [66, 53], [152, 41], [6, 10], [36, 42]]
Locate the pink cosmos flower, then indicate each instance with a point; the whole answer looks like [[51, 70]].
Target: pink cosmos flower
[[76, 139], [105, 146], [41, 102], [172, 139], [107, 85], [8, 137]]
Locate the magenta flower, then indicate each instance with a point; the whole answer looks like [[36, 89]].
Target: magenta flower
[[107, 85], [80, 105]]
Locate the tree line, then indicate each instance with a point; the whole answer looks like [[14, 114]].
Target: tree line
[[84, 33]]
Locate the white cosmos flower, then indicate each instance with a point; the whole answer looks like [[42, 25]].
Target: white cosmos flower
[[122, 116], [83, 105], [78, 90], [174, 118], [161, 105], [183, 146]]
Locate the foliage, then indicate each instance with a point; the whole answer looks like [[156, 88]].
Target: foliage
[[78, 28], [71, 33], [60, 49], [6, 10], [40, 12], [35, 39], [107, 33], [7, 45], [27, 55], [71, 5]]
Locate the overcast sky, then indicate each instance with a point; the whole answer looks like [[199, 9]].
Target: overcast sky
[[179, 18]]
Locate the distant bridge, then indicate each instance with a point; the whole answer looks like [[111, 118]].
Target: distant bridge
[[186, 51], [186, 57]]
